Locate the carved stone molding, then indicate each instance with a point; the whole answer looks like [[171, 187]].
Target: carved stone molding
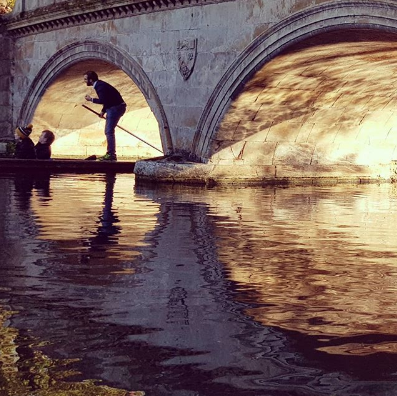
[[73, 13]]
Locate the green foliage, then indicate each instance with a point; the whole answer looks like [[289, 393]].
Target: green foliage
[[10, 149], [11, 3]]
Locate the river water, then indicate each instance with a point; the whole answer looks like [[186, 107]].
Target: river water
[[110, 288]]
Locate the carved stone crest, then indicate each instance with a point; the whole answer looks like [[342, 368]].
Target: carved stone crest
[[187, 53]]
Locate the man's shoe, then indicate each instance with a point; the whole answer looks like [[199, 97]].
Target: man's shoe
[[108, 157]]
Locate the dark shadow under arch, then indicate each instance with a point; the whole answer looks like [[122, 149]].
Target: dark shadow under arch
[[88, 50]]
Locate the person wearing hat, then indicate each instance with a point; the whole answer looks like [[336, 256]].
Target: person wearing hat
[[24, 148]]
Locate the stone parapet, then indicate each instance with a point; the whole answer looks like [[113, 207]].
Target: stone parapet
[[76, 12], [166, 171]]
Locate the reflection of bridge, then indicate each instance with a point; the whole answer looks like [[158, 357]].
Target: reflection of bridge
[[201, 291], [321, 103], [157, 312]]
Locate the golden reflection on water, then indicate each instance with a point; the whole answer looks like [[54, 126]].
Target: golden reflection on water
[[98, 208], [321, 261], [361, 349], [318, 261]]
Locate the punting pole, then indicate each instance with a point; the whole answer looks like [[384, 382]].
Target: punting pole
[[125, 130]]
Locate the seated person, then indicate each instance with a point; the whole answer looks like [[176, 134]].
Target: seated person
[[24, 148], [43, 147]]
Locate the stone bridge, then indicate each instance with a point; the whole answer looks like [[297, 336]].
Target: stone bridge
[[227, 90]]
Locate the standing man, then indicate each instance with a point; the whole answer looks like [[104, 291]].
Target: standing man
[[114, 107]]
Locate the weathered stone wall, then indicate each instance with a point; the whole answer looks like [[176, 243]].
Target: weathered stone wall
[[6, 56], [30, 5]]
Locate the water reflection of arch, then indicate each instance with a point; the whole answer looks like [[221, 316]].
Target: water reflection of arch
[[304, 24], [88, 50], [200, 313], [220, 327], [114, 338]]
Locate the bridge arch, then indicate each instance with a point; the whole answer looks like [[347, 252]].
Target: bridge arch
[[95, 50], [335, 15]]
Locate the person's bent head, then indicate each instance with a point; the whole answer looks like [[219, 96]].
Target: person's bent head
[[47, 137], [90, 77]]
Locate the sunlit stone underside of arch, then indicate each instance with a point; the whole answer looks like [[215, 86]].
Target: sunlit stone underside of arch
[[329, 100], [80, 133]]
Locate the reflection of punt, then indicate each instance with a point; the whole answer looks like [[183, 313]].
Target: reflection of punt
[[65, 165]]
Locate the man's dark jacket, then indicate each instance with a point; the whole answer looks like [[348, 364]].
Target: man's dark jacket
[[108, 96]]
